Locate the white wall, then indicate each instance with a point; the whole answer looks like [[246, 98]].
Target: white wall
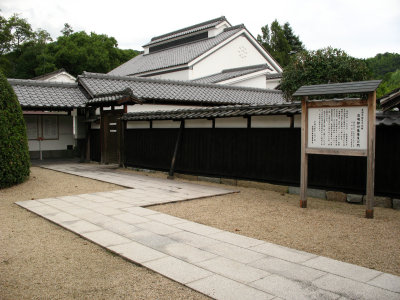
[[62, 77], [255, 82], [238, 122], [198, 123], [237, 53], [155, 107], [272, 83], [177, 75], [137, 124], [270, 122], [65, 137], [166, 124]]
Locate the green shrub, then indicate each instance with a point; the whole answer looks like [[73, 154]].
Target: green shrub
[[14, 155]]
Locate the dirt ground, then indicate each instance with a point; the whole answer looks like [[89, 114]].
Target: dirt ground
[[40, 260]]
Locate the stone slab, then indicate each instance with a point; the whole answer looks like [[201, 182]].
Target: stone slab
[[396, 204], [198, 228], [177, 269], [354, 198], [166, 219], [233, 269], [284, 253], [353, 289], [336, 196], [106, 238], [287, 269], [233, 252], [291, 289], [236, 239], [315, 193], [192, 239], [81, 226], [342, 269], [158, 227], [387, 281], [137, 252], [219, 287]]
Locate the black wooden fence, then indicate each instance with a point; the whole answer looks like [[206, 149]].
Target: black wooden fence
[[271, 155]]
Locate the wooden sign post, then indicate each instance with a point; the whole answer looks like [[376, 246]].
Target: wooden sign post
[[339, 127]]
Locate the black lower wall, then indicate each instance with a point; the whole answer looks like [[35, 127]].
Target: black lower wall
[[95, 148], [271, 155]]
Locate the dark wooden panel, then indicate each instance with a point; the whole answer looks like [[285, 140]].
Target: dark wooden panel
[[271, 155], [95, 153]]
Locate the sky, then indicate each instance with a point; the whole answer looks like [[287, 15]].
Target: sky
[[362, 28]]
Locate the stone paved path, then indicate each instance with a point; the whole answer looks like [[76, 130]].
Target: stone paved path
[[218, 263]]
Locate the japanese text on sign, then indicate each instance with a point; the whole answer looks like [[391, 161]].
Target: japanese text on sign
[[338, 127]]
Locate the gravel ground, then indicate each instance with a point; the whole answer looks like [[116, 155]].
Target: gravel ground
[[40, 260]]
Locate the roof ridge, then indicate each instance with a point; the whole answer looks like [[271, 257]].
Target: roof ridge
[[49, 74], [167, 81], [222, 18], [31, 82], [235, 27], [246, 68]]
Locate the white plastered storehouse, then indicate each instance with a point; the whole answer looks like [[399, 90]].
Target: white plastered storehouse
[[210, 52]]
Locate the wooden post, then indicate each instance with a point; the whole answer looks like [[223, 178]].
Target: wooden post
[[121, 142], [102, 136], [304, 155], [178, 140], [371, 155]]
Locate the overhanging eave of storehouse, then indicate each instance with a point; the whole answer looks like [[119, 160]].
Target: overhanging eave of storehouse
[[215, 112]]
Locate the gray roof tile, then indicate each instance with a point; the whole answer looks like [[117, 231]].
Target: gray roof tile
[[172, 57], [338, 88], [231, 73], [178, 91], [215, 112], [186, 30], [45, 94]]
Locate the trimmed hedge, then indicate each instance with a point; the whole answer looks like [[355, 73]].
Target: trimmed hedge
[[14, 153]]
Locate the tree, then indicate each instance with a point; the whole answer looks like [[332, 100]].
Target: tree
[[381, 64], [14, 158], [390, 82], [327, 65], [67, 30], [280, 41], [80, 52]]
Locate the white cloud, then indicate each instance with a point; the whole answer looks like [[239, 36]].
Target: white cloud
[[361, 28]]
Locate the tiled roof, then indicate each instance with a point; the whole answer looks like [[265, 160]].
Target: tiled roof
[[338, 88], [50, 75], [388, 118], [178, 91], [215, 112], [231, 73], [274, 76], [186, 30], [172, 57], [45, 94], [390, 100]]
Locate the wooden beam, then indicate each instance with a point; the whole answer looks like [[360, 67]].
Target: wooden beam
[[304, 155], [102, 136], [336, 152], [369, 213], [332, 103], [178, 141], [121, 142]]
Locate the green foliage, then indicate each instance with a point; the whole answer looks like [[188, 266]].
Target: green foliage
[[78, 52], [390, 82], [322, 66], [280, 42], [381, 64], [14, 155], [27, 54]]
